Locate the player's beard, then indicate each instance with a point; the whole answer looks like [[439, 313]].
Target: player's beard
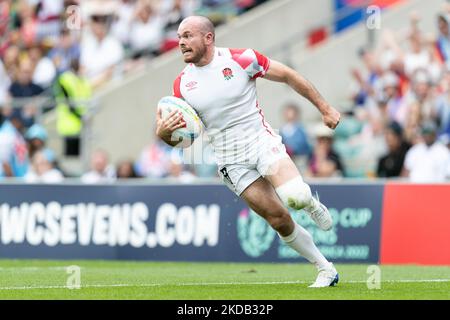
[[197, 55]]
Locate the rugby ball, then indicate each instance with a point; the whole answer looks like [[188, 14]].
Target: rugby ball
[[193, 124]]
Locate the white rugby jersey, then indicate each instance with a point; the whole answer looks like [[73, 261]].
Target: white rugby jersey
[[224, 95]]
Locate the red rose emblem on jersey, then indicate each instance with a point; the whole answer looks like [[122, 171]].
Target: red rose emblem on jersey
[[227, 73]]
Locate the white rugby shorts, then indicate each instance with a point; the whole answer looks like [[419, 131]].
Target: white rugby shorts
[[261, 155]]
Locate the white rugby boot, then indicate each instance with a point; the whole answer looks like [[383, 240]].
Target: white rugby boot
[[327, 277], [319, 214]]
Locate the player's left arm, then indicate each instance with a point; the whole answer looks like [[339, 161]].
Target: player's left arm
[[282, 73]]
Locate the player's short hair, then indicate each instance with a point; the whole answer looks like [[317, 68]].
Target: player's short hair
[[206, 25]]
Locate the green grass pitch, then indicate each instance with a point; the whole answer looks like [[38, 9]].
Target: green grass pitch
[[43, 279]]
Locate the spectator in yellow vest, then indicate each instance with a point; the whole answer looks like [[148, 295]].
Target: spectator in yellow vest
[[72, 93]]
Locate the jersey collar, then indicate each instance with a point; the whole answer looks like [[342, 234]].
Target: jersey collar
[[211, 64]]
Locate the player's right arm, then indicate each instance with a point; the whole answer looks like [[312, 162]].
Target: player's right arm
[[166, 127]]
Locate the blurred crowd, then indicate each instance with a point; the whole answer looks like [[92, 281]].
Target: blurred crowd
[[29, 158], [397, 125], [32, 161], [43, 38], [398, 122], [55, 53]]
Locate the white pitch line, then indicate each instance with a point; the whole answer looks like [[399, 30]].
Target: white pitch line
[[211, 284], [404, 281], [31, 268]]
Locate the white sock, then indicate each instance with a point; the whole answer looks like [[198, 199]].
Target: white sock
[[301, 241]]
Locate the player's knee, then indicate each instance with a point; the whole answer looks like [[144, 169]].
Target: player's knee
[[280, 220], [295, 193]]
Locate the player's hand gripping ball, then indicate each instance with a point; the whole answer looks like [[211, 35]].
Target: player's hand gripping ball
[[193, 127]]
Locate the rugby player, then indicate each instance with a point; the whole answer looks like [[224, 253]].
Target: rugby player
[[220, 84]]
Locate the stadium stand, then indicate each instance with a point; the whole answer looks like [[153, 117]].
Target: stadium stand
[[55, 53], [398, 86]]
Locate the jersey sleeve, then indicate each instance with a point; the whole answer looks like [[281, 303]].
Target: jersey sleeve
[[177, 87], [254, 63]]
